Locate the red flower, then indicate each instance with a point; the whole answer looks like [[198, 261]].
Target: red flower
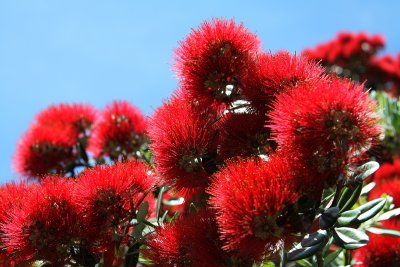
[[77, 116], [183, 143], [274, 73], [327, 124], [192, 240], [214, 59], [46, 226], [387, 172], [248, 197], [243, 135], [390, 187], [108, 195], [119, 131], [43, 151], [381, 251]]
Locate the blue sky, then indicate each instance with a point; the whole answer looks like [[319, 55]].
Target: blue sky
[[98, 51]]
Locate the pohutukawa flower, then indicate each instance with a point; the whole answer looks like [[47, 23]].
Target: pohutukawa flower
[[250, 198], [79, 117], [43, 151], [327, 123], [192, 240], [274, 73], [46, 226], [183, 143], [214, 59], [108, 195], [390, 187], [387, 172], [119, 131], [244, 135], [381, 251]]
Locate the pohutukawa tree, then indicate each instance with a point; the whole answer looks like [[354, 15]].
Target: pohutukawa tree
[[258, 159]]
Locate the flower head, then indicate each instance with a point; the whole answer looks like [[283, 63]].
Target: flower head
[[274, 73], [119, 131], [183, 143], [250, 198], [214, 59], [79, 117], [47, 224], [190, 241], [108, 195], [327, 123], [381, 251], [43, 151]]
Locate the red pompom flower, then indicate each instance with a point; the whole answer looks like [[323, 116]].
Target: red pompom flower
[[326, 124], [213, 61], [183, 143], [119, 131], [249, 198], [108, 195]]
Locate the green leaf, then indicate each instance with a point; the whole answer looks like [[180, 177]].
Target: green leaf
[[332, 256], [381, 231], [389, 214], [138, 230], [349, 197], [365, 170], [348, 217], [314, 238], [370, 209], [367, 188], [142, 212], [329, 217], [349, 238], [302, 253], [304, 263]]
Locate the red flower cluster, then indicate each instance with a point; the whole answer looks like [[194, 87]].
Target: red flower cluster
[[327, 124], [53, 143], [46, 225], [355, 56], [214, 60], [193, 240], [250, 198], [118, 131], [109, 195]]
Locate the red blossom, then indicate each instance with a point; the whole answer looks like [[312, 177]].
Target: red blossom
[[274, 73], [326, 124], [47, 224], [108, 196], [244, 135], [79, 117], [387, 172], [381, 251], [183, 143], [192, 240], [43, 151], [249, 196], [213, 61], [118, 131]]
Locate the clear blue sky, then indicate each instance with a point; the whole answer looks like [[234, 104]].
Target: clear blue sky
[[98, 51]]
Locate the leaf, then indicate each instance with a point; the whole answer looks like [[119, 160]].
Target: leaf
[[332, 256], [389, 214], [329, 217], [304, 263], [370, 209], [381, 231], [365, 170], [350, 238], [302, 253], [349, 197], [348, 217], [314, 238], [137, 230], [142, 212], [367, 188]]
